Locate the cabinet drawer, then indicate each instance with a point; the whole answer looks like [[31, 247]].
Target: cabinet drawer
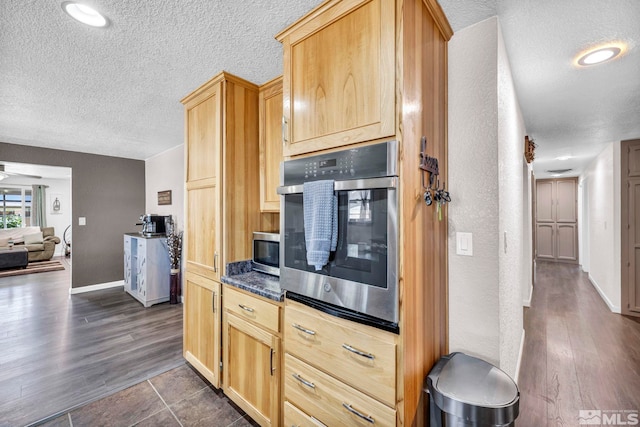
[[294, 417], [335, 343], [329, 400], [252, 308]]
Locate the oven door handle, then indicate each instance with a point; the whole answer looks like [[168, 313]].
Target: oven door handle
[[353, 184]]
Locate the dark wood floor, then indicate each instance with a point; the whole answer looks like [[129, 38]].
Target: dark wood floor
[[58, 351], [578, 355]]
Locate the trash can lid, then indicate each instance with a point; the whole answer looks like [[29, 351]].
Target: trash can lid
[[473, 381]]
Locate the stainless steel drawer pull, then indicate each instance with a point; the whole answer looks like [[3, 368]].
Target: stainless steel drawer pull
[[358, 352], [245, 308], [367, 418], [305, 330], [303, 381]]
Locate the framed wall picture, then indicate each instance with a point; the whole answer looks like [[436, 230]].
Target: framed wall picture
[[164, 197], [55, 203]]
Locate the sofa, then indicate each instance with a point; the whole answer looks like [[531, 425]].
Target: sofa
[[39, 241]]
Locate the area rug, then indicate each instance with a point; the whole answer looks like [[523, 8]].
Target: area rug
[[33, 267]]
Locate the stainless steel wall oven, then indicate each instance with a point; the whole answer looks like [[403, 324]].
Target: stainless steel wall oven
[[360, 280]]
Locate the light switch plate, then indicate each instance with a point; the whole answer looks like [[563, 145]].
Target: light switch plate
[[464, 244], [82, 220]]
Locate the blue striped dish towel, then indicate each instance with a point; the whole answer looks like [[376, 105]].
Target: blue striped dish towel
[[320, 205]]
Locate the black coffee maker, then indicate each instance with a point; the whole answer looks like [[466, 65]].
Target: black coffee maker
[[154, 225]]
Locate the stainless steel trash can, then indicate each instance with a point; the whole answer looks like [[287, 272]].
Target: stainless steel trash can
[[467, 391]]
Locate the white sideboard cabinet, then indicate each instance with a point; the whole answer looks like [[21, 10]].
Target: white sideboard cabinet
[[146, 268]]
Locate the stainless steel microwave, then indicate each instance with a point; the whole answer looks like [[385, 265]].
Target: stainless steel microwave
[[266, 252]]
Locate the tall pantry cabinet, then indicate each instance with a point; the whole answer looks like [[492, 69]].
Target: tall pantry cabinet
[[357, 72], [221, 152]]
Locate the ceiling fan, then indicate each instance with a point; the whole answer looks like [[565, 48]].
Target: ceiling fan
[[4, 174]]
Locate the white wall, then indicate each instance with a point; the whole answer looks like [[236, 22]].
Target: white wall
[[165, 171], [60, 188], [527, 234], [602, 245], [486, 139], [474, 325], [511, 132]]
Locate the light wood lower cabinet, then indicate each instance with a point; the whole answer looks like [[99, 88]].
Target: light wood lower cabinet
[[336, 371], [330, 401], [251, 356], [356, 354], [295, 417], [202, 326]]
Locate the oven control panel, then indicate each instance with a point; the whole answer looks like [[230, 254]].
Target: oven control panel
[[371, 161]]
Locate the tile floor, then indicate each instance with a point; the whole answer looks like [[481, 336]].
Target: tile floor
[[179, 397]]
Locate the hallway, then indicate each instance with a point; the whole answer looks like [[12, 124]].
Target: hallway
[[577, 354]]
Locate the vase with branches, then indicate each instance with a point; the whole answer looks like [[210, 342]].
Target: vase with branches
[[174, 247]]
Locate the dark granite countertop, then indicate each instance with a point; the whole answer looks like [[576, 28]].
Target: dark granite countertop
[[241, 275]]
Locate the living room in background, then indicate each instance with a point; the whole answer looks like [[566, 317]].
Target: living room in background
[[18, 199]]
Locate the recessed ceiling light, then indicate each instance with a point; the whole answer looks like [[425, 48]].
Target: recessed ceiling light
[[599, 55], [85, 14]]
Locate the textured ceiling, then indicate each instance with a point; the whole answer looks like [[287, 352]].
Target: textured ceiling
[[568, 111], [116, 91]]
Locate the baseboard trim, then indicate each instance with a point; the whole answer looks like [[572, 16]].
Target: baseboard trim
[[520, 353], [97, 287], [614, 308]]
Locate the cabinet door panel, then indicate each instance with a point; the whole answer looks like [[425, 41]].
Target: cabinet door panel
[[202, 326], [251, 369], [545, 196], [339, 82], [634, 161], [203, 238], [567, 242], [566, 201], [270, 146], [204, 136], [545, 241]]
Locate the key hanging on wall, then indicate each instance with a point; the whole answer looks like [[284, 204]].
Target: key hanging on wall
[[433, 192]]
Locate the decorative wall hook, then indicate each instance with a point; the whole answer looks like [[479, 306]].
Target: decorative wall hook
[[433, 192]]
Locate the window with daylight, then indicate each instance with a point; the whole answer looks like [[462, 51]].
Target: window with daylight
[[15, 208]]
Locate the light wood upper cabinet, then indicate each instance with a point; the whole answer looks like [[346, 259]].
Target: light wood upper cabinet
[[251, 355], [202, 326], [204, 135], [270, 144], [221, 143], [339, 75]]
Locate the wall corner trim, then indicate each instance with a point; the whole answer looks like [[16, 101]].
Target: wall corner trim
[[614, 308], [96, 287], [520, 353], [527, 302]]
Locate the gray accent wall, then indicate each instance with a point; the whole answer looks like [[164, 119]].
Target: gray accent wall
[[109, 192]]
